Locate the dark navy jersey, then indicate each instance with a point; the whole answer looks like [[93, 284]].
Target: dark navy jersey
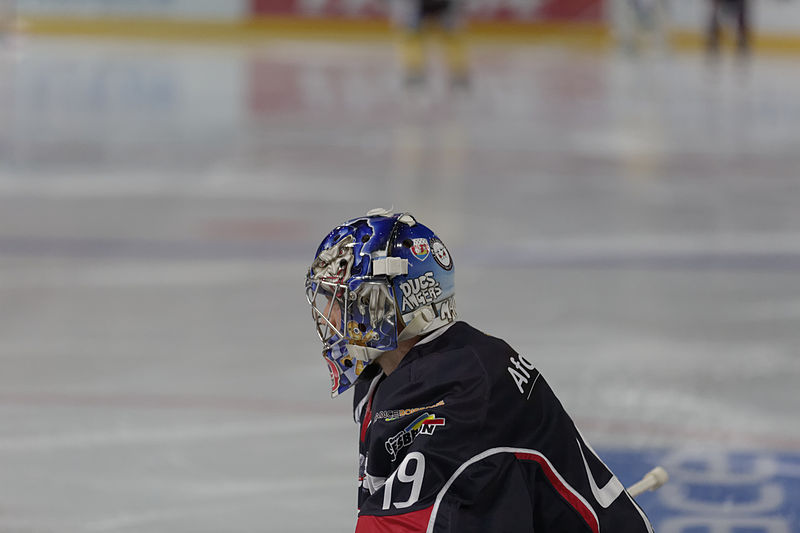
[[466, 436]]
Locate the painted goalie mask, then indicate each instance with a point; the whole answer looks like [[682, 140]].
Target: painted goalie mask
[[377, 280]]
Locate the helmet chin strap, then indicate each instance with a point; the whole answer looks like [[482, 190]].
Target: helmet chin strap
[[423, 318], [364, 353]]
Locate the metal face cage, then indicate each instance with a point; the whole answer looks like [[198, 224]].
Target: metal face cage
[[363, 316], [329, 309]]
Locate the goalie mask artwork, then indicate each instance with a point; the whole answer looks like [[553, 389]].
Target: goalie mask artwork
[[374, 281]]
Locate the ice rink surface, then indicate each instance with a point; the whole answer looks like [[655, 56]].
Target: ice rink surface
[[630, 224]]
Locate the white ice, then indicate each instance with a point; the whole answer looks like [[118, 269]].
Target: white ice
[[631, 224]]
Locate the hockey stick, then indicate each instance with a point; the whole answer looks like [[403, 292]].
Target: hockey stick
[[651, 481]]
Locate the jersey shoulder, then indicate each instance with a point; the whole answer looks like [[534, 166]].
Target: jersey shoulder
[[506, 370], [462, 338], [447, 365]]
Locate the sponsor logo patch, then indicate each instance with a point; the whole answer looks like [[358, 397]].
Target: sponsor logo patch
[[424, 424], [394, 414], [523, 373]]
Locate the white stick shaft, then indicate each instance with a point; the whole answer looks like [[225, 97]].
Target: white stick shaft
[[651, 481]]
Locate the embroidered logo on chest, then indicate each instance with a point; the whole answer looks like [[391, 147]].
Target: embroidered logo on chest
[[424, 424]]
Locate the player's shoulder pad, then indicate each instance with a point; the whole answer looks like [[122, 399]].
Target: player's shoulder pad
[[504, 366]]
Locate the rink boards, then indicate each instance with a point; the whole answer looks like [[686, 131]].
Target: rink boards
[[776, 25]]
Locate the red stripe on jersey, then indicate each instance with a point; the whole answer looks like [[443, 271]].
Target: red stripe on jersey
[[566, 492], [413, 522], [367, 419]]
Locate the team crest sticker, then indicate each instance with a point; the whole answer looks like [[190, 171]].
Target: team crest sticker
[[440, 254], [420, 248]]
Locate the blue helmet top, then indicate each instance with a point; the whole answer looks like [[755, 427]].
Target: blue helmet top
[[375, 280]]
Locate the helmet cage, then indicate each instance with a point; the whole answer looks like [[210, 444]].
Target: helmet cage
[[356, 321], [327, 298]]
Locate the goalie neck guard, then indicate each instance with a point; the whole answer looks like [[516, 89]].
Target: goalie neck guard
[[374, 281]]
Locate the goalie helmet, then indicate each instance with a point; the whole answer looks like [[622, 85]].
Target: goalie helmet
[[374, 281]]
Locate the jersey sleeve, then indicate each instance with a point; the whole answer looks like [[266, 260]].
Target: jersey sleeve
[[569, 486]]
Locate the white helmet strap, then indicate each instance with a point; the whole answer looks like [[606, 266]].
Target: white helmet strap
[[390, 266], [423, 318]]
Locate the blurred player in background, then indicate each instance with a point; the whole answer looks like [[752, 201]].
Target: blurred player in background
[[418, 21], [458, 432], [7, 18], [739, 11], [638, 24]]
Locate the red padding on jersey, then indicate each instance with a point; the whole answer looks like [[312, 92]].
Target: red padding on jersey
[[413, 522], [566, 492]]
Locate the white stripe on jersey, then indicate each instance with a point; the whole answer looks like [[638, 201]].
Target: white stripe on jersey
[[636, 505], [365, 399], [487, 453]]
